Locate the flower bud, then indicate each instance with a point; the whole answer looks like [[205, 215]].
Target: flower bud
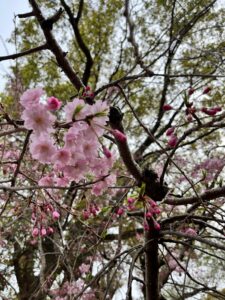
[[53, 103], [121, 137], [167, 107], [55, 215], [207, 90], [35, 232], [106, 152], [170, 131], [173, 141]]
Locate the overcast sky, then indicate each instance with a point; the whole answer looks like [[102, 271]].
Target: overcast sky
[[8, 8]]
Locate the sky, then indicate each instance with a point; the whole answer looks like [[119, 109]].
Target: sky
[[8, 9]]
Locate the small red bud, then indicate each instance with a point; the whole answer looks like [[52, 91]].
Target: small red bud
[[173, 141], [167, 107], [170, 131], [207, 90], [191, 91]]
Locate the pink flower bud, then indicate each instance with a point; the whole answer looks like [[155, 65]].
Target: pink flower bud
[[130, 207], [43, 232], [157, 226], [87, 88], [157, 211], [55, 215], [130, 200], [167, 107], [148, 215], [86, 214], [35, 232], [106, 152], [170, 131], [217, 108], [173, 141], [210, 111], [119, 135], [152, 203], [120, 211], [50, 230], [53, 103], [207, 90]]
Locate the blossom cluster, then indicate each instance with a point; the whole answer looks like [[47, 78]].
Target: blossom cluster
[[190, 113], [82, 152], [42, 215], [151, 210]]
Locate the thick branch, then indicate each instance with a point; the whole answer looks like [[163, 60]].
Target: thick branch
[[74, 23], [27, 52], [206, 196], [55, 48]]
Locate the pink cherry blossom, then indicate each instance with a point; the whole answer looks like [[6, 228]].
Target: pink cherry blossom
[[75, 110], [120, 211], [42, 148], [84, 268], [53, 103], [38, 119], [46, 180], [61, 157], [99, 116], [30, 98]]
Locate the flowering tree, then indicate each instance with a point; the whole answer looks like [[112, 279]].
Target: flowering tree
[[112, 152]]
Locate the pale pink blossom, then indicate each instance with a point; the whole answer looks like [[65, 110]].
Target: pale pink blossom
[[61, 181], [61, 157], [99, 116], [42, 148], [75, 110], [46, 180], [84, 268], [38, 119], [31, 97]]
